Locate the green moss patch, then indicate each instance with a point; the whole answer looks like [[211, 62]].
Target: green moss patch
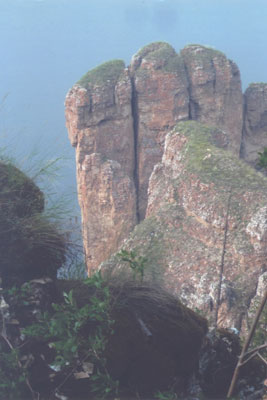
[[109, 71], [156, 50], [204, 158], [173, 62]]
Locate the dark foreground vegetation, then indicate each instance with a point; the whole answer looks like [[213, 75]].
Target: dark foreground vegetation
[[97, 338]]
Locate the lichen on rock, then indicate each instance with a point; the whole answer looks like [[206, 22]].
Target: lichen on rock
[[109, 71]]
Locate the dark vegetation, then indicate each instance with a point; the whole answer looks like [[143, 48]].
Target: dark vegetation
[[94, 338], [262, 160], [30, 245]]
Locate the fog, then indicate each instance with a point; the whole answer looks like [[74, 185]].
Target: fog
[[47, 45]]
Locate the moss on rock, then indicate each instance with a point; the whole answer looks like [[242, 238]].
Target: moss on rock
[[203, 156], [163, 56], [109, 71], [202, 53]]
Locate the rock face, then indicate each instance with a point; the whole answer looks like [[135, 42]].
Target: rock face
[[215, 91], [124, 114], [255, 125], [130, 169], [100, 125], [206, 214], [161, 99]]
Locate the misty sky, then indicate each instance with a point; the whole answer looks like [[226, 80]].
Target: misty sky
[[47, 45]]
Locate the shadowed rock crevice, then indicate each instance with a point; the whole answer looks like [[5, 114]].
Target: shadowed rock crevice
[[255, 122], [135, 132]]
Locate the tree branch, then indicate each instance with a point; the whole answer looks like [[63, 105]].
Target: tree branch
[[246, 345]]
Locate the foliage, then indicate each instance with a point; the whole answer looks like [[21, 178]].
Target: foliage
[[262, 160], [12, 376], [259, 337], [136, 263], [166, 395], [66, 331]]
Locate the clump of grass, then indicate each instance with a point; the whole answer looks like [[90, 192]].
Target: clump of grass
[[31, 244], [109, 71]]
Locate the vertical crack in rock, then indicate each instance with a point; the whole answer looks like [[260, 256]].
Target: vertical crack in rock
[[189, 88], [135, 130], [242, 144]]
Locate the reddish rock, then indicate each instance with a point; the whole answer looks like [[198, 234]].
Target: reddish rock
[[215, 91], [99, 120], [107, 198], [118, 120], [183, 233], [161, 100], [255, 124]]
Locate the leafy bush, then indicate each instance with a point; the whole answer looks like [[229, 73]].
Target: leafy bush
[[66, 331], [136, 263], [12, 376], [262, 160]]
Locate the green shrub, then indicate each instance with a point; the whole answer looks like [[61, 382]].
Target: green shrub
[[262, 160], [136, 263], [12, 376], [66, 331]]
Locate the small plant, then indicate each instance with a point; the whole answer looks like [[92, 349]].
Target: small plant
[[64, 332], [166, 395], [19, 296], [12, 376], [262, 160], [136, 263]]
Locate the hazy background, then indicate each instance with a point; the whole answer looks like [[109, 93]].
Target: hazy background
[[47, 45]]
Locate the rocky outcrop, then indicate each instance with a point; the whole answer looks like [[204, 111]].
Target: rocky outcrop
[[161, 99], [100, 125], [83, 339], [109, 206], [124, 114], [206, 215], [255, 123], [215, 91]]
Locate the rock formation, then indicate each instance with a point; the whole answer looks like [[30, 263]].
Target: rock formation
[[255, 124], [100, 125], [206, 214], [123, 115], [215, 91], [119, 119]]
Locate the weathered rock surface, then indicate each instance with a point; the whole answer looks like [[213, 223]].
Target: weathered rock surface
[[215, 91], [161, 100], [196, 189], [255, 124], [107, 198], [124, 115], [100, 125]]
